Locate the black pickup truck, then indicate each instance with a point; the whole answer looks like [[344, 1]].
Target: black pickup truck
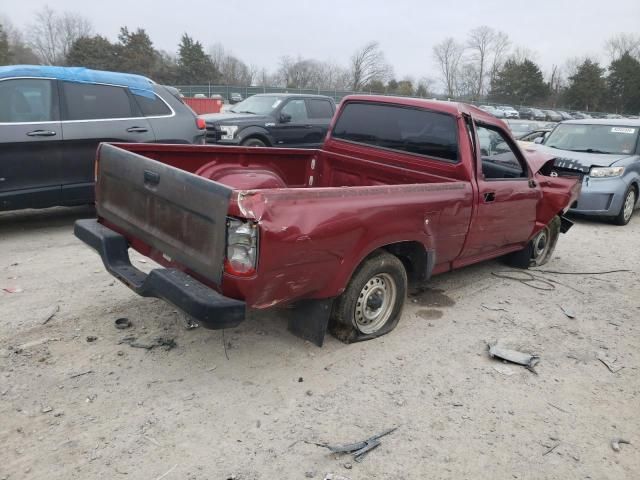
[[273, 120]]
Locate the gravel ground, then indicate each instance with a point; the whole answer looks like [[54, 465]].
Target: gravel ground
[[76, 403]]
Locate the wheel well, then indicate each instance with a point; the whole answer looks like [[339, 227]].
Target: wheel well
[[257, 136], [416, 259]]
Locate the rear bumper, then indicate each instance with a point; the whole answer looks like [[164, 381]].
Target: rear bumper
[[209, 307]]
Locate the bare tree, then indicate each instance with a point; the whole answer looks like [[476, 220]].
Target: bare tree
[[479, 43], [52, 34], [448, 55], [520, 54], [368, 64], [623, 43], [501, 46]]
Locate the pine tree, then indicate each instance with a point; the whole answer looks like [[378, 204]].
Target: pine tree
[[520, 83], [93, 52], [624, 84], [136, 53], [587, 87], [194, 65]]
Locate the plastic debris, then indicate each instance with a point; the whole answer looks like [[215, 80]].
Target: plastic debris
[[615, 443], [13, 289], [568, 312], [360, 449], [513, 356]]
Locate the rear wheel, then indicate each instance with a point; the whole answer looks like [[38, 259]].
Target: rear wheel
[[539, 249], [626, 211], [372, 303], [253, 142]]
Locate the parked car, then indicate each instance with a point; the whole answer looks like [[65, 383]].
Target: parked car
[[580, 115], [613, 116], [395, 194], [531, 114], [235, 98], [520, 127], [565, 115], [509, 112], [607, 152], [531, 136], [552, 116], [53, 118], [493, 111], [273, 120]]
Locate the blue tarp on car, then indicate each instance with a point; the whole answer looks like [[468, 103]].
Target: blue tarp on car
[[138, 84]]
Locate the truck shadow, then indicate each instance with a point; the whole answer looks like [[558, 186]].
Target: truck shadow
[[20, 221]]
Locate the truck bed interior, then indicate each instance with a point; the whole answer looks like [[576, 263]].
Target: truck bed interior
[[259, 168]]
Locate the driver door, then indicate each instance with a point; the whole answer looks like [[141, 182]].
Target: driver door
[[507, 195]]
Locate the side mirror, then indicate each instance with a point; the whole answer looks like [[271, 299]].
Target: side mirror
[[285, 118], [538, 140]]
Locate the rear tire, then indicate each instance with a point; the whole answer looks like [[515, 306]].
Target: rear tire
[[626, 210], [253, 142], [539, 249], [372, 303]]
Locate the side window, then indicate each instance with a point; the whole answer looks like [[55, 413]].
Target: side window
[[407, 129], [152, 107], [86, 101], [297, 110], [319, 108], [26, 100], [498, 158]]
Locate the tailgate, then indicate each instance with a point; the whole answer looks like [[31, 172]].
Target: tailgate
[[174, 211]]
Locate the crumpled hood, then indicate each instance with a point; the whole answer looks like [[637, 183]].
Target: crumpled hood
[[234, 118], [566, 159]]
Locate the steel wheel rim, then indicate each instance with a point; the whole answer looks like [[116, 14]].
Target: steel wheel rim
[[375, 303], [628, 205], [541, 244]]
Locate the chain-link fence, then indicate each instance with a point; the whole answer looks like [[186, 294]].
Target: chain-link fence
[[225, 91]]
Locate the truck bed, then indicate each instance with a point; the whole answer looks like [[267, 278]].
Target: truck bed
[[171, 203]]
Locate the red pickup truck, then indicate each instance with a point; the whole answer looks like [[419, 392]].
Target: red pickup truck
[[402, 189]]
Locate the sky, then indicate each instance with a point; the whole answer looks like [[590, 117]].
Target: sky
[[260, 32]]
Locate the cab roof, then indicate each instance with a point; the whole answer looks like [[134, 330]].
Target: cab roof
[[452, 108], [136, 83]]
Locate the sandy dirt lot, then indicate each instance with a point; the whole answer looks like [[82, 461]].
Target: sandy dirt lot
[[71, 408]]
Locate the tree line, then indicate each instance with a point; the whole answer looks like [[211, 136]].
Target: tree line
[[485, 66]]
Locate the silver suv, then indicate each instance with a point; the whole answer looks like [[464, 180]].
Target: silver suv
[[53, 118]]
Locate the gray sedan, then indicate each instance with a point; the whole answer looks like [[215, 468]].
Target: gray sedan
[[607, 152]]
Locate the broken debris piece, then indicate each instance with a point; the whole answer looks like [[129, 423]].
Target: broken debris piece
[[567, 311], [514, 356], [360, 449], [615, 443], [122, 323], [167, 342]]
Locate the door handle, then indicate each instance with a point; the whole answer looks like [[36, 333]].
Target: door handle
[[41, 133], [309, 126], [489, 197], [137, 129]]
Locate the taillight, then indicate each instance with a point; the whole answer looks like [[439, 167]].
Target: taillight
[[200, 123], [242, 247]]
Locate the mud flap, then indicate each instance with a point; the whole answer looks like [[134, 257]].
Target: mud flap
[[308, 319], [565, 224]]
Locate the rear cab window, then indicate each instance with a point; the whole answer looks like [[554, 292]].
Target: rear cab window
[[85, 101], [404, 129]]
